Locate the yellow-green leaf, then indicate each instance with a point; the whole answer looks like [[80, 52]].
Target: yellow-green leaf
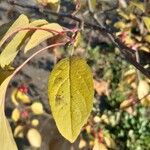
[[147, 22], [124, 15], [11, 50], [139, 5], [92, 5], [20, 22], [71, 92], [147, 38], [54, 6], [41, 35], [14, 98], [18, 131], [6, 138], [120, 25], [15, 116], [144, 48], [77, 40]]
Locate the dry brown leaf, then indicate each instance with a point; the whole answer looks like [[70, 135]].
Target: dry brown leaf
[[126, 103], [101, 87]]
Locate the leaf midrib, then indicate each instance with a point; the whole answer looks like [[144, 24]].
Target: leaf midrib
[[69, 71]]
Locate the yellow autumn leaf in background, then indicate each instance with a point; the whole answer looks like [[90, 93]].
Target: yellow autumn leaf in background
[[53, 5], [105, 119], [132, 16], [13, 97], [70, 91], [143, 89], [11, 49], [35, 122], [15, 115], [146, 101], [77, 40], [37, 108], [92, 5], [34, 137], [123, 14], [18, 132], [144, 48], [88, 129], [44, 2], [82, 144], [110, 142], [139, 5], [129, 76], [6, 138], [120, 25], [147, 22], [129, 72], [147, 38]]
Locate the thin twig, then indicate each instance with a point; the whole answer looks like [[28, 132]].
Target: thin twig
[[36, 53], [138, 60]]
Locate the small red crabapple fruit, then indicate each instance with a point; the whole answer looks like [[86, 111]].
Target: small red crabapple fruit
[[24, 114], [23, 88]]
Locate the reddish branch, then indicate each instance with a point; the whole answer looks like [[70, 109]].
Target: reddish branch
[[36, 53], [36, 28], [128, 53]]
